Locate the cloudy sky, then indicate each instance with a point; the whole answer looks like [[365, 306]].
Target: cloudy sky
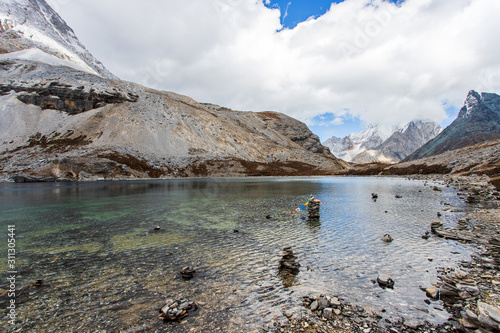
[[335, 66]]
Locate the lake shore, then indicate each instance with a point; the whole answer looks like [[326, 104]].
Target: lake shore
[[471, 294]]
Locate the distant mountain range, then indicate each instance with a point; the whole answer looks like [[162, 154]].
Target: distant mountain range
[[383, 144], [477, 121]]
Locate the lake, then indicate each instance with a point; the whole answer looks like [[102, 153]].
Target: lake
[[104, 267]]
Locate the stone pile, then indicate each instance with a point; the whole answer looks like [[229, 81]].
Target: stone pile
[[288, 267], [313, 208], [176, 310]]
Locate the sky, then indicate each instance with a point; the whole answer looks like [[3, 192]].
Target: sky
[[335, 65]]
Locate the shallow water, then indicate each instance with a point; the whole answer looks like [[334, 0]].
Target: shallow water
[[104, 268]]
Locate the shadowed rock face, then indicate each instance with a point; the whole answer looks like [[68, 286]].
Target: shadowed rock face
[[478, 121], [62, 97]]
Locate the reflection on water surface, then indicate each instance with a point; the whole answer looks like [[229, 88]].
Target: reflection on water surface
[[105, 268]]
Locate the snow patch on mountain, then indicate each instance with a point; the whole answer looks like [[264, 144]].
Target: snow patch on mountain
[[34, 54], [34, 24], [357, 143]]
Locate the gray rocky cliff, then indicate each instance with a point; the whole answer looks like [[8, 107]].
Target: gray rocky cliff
[[477, 121]]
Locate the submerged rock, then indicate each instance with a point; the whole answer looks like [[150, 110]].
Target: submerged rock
[[187, 272], [288, 267], [387, 238]]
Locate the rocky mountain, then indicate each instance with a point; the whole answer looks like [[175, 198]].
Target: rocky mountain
[[477, 121], [383, 144], [477, 159], [60, 122], [356, 143], [32, 30], [62, 115]]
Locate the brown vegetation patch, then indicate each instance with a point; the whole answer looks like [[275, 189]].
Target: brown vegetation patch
[[196, 151], [134, 163], [56, 142], [370, 169], [422, 169], [292, 168], [239, 167], [270, 115]]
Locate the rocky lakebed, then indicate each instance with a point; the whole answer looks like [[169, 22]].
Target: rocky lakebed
[[470, 293]]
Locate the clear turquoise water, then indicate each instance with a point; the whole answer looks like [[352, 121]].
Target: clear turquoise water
[[104, 268]]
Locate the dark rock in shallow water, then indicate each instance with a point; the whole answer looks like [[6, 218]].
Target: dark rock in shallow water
[[385, 281], [288, 267], [387, 238], [435, 225], [187, 272]]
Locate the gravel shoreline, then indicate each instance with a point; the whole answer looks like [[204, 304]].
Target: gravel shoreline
[[470, 293]]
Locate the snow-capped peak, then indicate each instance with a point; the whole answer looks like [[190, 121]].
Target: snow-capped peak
[[34, 24], [375, 137]]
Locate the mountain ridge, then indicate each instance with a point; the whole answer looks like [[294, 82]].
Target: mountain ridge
[[477, 121], [383, 143]]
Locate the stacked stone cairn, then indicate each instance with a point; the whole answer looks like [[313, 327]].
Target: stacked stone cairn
[[288, 267], [176, 310], [313, 207]]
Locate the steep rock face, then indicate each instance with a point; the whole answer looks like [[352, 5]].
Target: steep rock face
[[144, 133], [477, 121], [33, 24]]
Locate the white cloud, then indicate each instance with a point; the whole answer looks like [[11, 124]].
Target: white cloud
[[383, 63]]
